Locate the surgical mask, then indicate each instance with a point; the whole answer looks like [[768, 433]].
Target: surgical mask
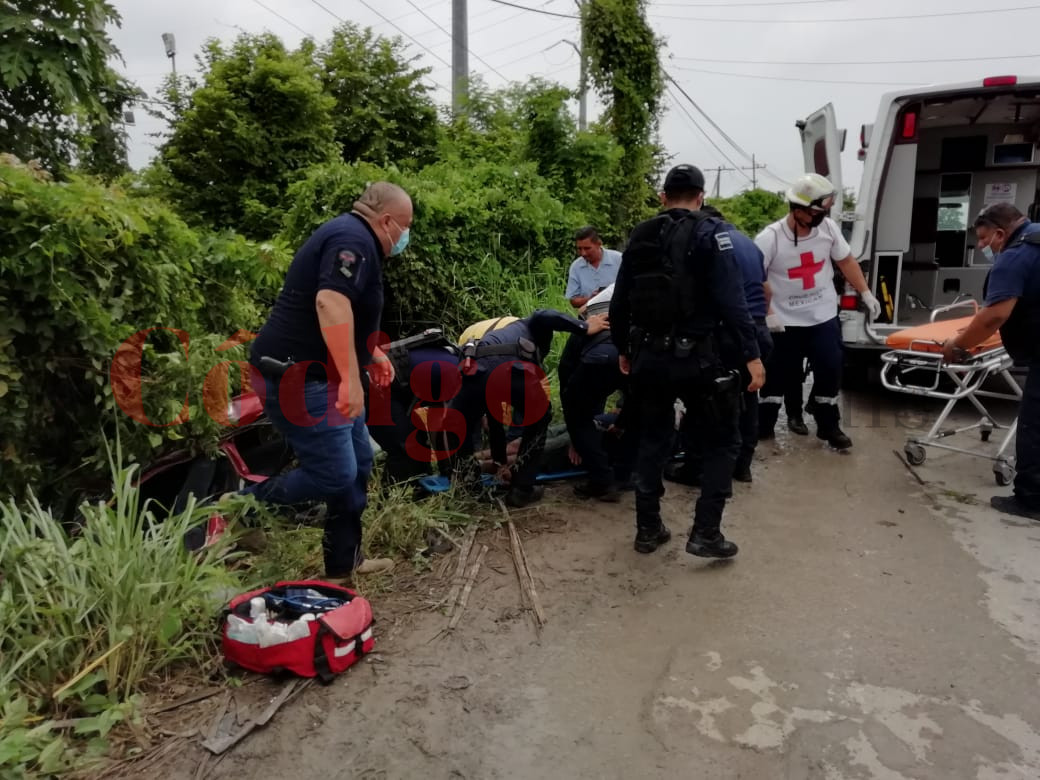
[[987, 252], [402, 242]]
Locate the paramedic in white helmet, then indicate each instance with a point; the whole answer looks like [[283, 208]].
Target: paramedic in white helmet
[[800, 252]]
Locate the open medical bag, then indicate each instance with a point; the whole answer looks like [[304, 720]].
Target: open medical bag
[[323, 629]]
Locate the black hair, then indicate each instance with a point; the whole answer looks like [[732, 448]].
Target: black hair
[[588, 232]]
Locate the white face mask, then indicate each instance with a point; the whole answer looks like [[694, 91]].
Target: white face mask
[[987, 252]]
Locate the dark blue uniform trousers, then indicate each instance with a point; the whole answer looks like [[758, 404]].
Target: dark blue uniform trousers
[[1027, 442], [822, 345], [655, 389]]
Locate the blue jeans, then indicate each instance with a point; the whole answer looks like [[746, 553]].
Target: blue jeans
[[335, 458]]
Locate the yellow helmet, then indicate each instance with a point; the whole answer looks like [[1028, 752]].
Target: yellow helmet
[[478, 330]]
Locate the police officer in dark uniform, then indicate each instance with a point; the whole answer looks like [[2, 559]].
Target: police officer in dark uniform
[[589, 374], [752, 272], [678, 282], [1012, 305], [504, 368], [312, 353]]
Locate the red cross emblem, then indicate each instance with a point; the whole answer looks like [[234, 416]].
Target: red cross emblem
[[806, 271]]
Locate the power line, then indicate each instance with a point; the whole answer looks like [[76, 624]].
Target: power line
[[801, 80], [535, 10], [703, 113], [941, 14], [476, 56], [715, 60], [747, 5], [706, 136], [406, 35], [287, 21]]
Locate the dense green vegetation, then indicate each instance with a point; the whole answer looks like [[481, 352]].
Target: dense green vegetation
[[262, 146]]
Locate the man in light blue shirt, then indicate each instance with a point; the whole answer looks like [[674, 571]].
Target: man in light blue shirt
[[594, 270]]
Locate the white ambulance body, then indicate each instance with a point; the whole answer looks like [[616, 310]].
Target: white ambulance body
[[933, 159]]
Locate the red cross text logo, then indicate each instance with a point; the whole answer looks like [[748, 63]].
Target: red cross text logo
[[806, 271]]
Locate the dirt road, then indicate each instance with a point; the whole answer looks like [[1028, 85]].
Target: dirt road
[[871, 627]]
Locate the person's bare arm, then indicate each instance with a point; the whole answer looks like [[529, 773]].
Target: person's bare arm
[[336, 318], [853, 274], [982, 326]]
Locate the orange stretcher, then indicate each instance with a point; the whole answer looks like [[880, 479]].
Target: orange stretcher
[[915, 366]]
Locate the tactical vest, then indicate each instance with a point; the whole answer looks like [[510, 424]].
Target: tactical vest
[[664, 291], [1020, 335]]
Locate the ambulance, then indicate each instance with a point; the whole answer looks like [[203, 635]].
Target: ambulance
[[933, 159]]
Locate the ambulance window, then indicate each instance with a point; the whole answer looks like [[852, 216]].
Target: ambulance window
[[820, 158], [954, 199]]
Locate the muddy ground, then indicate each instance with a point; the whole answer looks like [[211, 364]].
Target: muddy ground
[[879, 622]]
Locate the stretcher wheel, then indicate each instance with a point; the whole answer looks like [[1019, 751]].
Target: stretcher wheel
[[1004, 474], [915, 454]]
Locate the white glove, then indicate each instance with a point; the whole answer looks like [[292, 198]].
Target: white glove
[[872, 304], [774, 324]]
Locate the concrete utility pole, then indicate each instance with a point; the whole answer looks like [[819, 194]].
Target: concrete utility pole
[[718, 178], [583, 79], [459, 55], [754, 168]]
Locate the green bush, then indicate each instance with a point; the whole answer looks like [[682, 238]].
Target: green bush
[[751, 211], [473, 224], [82, 268], [86, 620]]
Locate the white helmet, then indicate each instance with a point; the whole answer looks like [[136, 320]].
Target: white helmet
[[809, 191]]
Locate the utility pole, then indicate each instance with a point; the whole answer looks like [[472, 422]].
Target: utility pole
[[583, 78], [718, 178], [459, 55], [754, 168]]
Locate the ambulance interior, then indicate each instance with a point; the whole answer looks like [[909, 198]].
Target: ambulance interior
[[950, 157]]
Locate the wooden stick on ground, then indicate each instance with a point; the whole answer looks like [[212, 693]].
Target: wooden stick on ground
[[460, 570], [526, 579], [518, 563], [470, 578]]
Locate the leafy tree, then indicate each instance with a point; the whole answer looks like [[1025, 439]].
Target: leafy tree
[[383, 112], [751, 210], [257, 121], [624, 69], [59, 100]]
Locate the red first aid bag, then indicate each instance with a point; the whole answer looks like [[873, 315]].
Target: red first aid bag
[[337, 638]]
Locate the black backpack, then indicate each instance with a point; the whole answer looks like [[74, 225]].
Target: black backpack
[[666, 287]]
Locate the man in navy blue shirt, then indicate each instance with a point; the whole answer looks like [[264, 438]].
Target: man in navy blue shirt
[[311, 352], [1012, 305]]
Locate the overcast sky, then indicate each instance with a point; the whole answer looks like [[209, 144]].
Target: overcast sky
[[711, 48]]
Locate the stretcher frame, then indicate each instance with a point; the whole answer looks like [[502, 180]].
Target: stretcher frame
[[968, 376]]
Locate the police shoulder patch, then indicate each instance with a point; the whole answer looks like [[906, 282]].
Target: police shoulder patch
[[347, 261], [723, 241]]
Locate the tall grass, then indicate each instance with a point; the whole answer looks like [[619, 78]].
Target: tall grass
[[85, 620]]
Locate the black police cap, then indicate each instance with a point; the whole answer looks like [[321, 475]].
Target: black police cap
[[683, 178]]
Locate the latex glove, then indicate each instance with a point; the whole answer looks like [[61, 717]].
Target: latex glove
[[774, 324], [872, 304]]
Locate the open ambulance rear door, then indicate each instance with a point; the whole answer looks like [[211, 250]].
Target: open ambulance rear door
[[822, 144]]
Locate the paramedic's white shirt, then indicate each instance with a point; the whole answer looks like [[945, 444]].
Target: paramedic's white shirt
[[802, 276], [601, 297]]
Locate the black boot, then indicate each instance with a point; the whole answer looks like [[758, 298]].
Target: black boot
[[683, 473], [716, 546], [604, 491], [834, 436], [649, 538], [797, 425], [742, 472], [520, 497]]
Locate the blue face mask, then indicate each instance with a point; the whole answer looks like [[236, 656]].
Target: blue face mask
[[402, 242], [987, 252]]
